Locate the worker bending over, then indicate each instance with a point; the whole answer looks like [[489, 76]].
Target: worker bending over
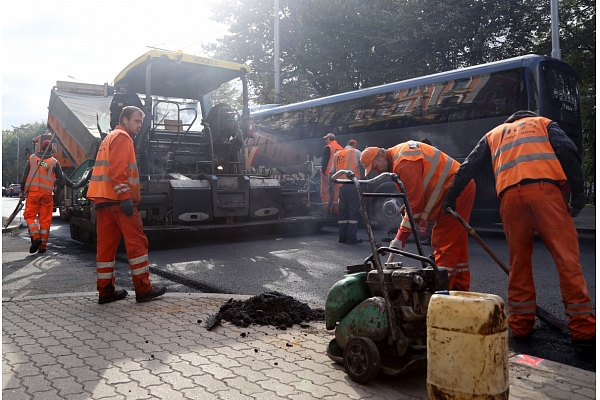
[[37, 186], [427, 173], [532, 159]]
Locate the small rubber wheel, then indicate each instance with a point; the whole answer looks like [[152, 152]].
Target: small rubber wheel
[[361, 359]]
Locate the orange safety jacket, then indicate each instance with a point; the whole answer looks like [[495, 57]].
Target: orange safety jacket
[[521, 150], [348, 158], [43, 179], [438, 172], [333, 147], [114, 183]]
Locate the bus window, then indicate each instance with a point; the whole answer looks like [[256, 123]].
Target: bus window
[[453, 109], [534, 96], [562, 88]]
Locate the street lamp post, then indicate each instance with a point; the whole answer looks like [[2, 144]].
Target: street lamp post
[[276, 53], [18, 143]]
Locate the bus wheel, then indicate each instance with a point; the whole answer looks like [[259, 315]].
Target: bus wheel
[[385, 211], [65, 215]]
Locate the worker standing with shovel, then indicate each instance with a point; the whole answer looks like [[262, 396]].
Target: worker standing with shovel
[[532, 159], [37, 185]]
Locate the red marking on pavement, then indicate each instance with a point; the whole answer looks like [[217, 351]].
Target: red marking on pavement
[[529, 360]]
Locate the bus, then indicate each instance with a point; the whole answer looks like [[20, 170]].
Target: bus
[[452, 109]]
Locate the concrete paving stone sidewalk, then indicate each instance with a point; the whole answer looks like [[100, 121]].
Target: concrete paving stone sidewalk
[[69, 347]]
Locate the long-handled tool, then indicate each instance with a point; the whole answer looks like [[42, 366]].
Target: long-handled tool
[[540, 312], [21, 203]]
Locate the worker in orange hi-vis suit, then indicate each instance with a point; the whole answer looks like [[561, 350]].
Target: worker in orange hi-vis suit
[[37, 186], [115, 190], [427, 173], [349, 211], [532, 159], [331, 146]]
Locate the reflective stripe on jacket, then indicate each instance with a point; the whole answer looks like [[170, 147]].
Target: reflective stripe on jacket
[[438, 172], [109, 184], [348, 158], [43, 180], [521, 150], [334, 146]]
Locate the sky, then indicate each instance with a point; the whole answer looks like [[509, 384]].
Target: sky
[[87, 41]]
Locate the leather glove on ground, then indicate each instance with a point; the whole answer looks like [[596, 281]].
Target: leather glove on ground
[[449, 202], [577, 203], [127, 207]]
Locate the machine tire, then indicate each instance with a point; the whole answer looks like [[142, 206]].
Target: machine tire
[[361, 359], [376, 209], [65, 215]]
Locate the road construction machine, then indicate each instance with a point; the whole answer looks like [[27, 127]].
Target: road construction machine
[[190, 150]]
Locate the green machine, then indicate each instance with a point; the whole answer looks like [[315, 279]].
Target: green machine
[[379, 312]]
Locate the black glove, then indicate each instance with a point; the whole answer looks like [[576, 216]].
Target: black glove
[[127, 207], [577, 203], [85, 178], [449, 202]]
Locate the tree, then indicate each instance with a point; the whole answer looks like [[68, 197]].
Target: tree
[[578, 44], [334, 46], [228, 93]]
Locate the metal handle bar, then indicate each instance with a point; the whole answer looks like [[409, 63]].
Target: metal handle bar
[[423, 259], [349, 174]]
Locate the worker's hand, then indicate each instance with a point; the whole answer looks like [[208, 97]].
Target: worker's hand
[[85, 178], [399, 242], [449, 202], [577, 203], [22, 196], [423, 227], [127, 207], [396, 244]]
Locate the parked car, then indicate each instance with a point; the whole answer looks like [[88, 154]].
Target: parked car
[[13, 190], [3, 191]]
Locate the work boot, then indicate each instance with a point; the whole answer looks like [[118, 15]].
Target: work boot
[[157, 290], [41, 250], [357, 241], [116, 295], [34, 245]]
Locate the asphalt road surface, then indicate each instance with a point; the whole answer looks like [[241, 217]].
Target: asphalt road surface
[[304, 267]]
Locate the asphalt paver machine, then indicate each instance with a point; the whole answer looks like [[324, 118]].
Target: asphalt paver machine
[[379, 310]]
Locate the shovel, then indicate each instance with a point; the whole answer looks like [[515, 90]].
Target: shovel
[[540, 312]]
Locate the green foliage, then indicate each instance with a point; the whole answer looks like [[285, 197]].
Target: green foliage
[[228, 93], [20, 138], [334, 46], [578, 48]]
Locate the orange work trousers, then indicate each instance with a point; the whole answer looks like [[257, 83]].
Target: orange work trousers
[[112, 225], [450, 241], [325, 194], [541, 208], [39, 204]]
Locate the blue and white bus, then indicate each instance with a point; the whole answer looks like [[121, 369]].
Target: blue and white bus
[[453, 109]]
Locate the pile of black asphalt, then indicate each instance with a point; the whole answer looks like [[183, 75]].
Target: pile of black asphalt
[[270, 308]]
